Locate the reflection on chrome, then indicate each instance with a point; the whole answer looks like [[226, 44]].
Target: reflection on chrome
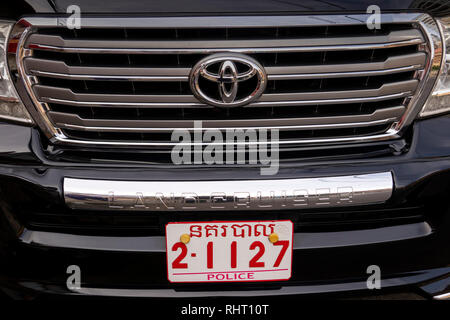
[[228, 195]]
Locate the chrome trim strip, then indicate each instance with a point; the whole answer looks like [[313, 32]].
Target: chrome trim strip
[[389, 135], [122, 78], [186, 78], [379, 116], [99, 21], [48, 40], [60, 95], [368, 46], [428, 77], [444, 296], [394, 38], [277, 194], [59, 69], [302, 240], [391, 62], [281, 128], [256, 104], [343, 74]]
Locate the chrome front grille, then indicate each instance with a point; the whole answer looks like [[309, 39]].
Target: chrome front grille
[[126, 81]]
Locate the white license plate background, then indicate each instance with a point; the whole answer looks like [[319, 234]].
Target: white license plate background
[[228, 231]]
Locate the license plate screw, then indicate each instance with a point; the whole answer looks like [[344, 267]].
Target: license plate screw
[[185, 238], [273, 238]]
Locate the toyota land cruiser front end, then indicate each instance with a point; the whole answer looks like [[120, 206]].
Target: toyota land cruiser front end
[[224, 149]]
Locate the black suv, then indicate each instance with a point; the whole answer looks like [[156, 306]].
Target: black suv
[[349, 196]]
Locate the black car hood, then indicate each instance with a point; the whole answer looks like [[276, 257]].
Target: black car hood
[[235, 6]]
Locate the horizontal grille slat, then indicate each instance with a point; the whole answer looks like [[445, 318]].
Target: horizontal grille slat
[[66, 96], [286, 137], [247, 50], [330, 79], [230, 31], [71, 121], [59, 69], [395, 38], [240, 113], [344, 74]]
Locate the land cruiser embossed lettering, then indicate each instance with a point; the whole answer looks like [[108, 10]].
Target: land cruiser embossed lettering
[[348, 101]]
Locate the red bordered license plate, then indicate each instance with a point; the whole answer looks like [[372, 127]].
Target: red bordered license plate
[[229, 251]]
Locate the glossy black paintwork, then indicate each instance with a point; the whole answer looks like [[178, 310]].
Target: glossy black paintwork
[[29, 181], [21, 7]]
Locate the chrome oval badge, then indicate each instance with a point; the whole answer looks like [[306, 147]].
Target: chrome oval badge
[[228, 80]]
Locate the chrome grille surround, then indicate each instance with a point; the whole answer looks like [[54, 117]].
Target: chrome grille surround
[[423, 33]]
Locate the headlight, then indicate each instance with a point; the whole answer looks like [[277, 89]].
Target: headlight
[[439, 101], [11, 108]]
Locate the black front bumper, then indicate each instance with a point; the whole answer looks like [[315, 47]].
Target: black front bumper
[[408, 237]]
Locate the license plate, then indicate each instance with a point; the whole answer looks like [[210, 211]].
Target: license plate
[[229, 251]]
